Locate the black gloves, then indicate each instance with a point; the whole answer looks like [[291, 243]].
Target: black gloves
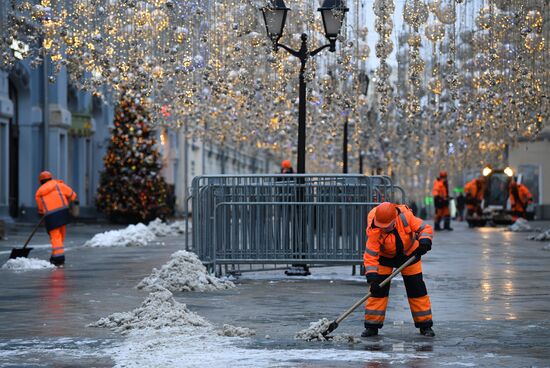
[[373, 279], [375, 287], [424, 246]]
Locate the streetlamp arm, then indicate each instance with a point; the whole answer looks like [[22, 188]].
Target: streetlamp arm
[[319, 49], [288, 49]]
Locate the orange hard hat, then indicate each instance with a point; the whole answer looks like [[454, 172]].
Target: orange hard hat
[[442, 174], [385, 214], [286, 164], [44, 175]]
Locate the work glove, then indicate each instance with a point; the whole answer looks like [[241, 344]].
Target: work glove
[[373, 281], [375, 287], [424, 246]]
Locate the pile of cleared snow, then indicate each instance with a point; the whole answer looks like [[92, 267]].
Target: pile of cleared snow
[[314, 331], [184, 272], [158, 311], [134, 235], [521, 225], [23, 264], [546, 247], [543, 236], [160, 228], [232, 331]]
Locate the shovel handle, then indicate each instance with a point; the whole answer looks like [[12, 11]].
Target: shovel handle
[[33, 231], [382, 284]]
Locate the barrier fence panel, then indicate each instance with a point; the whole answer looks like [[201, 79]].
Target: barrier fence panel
[[279, 219]]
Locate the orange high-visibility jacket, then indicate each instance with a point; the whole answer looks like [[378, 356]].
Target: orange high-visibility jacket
[[440, 189], [410, 229], [525, 197], [474, 189], [52, 199]]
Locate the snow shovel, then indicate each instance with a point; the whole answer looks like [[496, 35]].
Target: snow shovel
[[24, 252], [334, 324]]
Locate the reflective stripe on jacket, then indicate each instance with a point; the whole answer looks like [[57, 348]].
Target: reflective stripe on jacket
[[410, 229]]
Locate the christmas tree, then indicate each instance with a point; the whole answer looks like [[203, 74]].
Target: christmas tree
[[131, 188]]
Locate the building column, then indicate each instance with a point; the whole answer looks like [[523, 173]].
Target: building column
[[6, 112]]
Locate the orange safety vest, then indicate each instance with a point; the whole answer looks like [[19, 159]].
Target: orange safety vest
[[410, 229], [525, 197], [52, 199], [440, 188]]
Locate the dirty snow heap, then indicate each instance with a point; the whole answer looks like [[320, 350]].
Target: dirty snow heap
[[136, 235], [158, 311], [23, 264], [184, 272]]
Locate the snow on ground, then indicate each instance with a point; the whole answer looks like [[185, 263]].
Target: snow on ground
[[136, 235], [133, 235], [232, 331], [542, 236], [335, 273], [546, 247], [157, 311], [198, 347], [24, 264], [184, 272], [521, 225], [314, 331], [160, 228]]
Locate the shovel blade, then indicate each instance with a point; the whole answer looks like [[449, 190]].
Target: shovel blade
[[20, 253]]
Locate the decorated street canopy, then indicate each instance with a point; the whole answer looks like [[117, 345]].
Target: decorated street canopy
[[449, 82]]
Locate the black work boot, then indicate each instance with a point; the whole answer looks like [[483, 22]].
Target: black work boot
[[427, 332], [58, 261], [448, 224], [369, 331], [437, 227]]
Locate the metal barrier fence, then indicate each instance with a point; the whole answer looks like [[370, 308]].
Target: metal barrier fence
[[284, 219]]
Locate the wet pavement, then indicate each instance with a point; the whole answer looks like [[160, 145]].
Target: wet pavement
[[490, 293]]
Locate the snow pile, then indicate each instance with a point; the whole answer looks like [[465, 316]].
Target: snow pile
[[314, 331], [23, 264], [159, 310], [232, 331], [543, 236], [546, 247], [160, 228], [521, 225], [134, 235], [184, 272]]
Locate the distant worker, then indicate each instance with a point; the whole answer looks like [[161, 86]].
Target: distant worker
[[441, 202], [286, 167], [475, 192], [520, 198], [394, 235], [53, 198]]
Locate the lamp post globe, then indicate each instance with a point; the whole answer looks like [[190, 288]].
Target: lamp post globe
[[275, 17], [333, 13]]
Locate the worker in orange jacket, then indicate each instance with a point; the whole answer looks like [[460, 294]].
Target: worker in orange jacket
[[53, 198], [394, 235], [475, 192], [520, 198], [440, 193]]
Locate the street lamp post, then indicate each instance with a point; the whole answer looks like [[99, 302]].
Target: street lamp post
[[333, 13]]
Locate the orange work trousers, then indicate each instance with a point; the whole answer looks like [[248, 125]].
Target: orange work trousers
[[57, 238], [419, 301]]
